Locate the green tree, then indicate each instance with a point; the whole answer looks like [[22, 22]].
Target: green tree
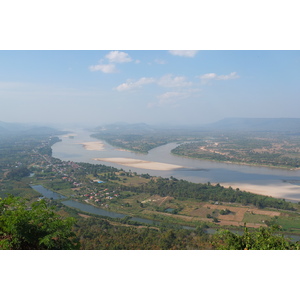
[[261, 239], [34, 227]]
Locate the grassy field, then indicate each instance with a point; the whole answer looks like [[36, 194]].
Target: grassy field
[[184, 212], [131, 181], [253, 218], [291, 223]]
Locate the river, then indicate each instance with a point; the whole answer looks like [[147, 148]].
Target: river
[[261, 180], [101, 212]]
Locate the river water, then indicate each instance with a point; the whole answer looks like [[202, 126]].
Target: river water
[[101, 212], [105, 213], [47, 193], [268, 181]]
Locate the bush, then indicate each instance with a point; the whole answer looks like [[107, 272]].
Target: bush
[[34, 227]]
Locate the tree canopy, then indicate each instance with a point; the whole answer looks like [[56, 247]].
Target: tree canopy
[[34, 227], [261, 239]]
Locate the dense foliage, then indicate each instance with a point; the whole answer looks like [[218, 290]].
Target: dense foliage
[[134, 142], [268, 149], [261, 239], [18, 173], [34, 227], [182, 189], [99, 234]]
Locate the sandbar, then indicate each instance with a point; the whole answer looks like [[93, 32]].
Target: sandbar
[[281, 190], [141, 164], [93, 146], [69, 135]]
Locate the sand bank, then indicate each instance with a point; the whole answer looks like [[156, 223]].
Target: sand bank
[[141, 164], [93, 146], [281, 190], [124, 150], [69, 135]]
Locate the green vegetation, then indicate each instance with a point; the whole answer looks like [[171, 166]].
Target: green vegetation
[[18, 173], [269, 149], [170, 201], [33, 227], [253, 218], [142, 137], [183, 190], [100, 234], [134, 142], [261, 239], [36, 227], [289, 223]]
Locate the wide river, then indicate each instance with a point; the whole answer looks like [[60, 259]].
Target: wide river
[[261, 180]]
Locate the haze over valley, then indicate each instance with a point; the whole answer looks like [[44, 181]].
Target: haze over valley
[[182, 141]]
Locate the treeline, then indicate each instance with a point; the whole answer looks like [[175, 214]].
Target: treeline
[[259, 239], [241, 152], [135, 142], [88, 168], [97, 234], [183, 190], [18, 173], [18, 153], [35, 226], [16, 149]]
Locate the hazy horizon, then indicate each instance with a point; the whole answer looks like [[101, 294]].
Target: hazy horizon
[[186, 87]]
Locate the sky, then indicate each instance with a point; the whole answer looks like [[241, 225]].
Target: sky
[[100, 86], [176, 87]]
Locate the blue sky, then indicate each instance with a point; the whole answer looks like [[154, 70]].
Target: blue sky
[[155, 87]]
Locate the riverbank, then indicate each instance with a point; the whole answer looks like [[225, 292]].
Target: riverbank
[[280, 190], [141, 164], [289, 168], [70, 135], [262, 180], [93, 146]]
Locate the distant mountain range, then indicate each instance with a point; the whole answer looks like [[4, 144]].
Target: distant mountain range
[[228, 124], [24, 129], [256, 124]]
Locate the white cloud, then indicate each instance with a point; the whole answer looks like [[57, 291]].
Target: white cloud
[[131, 85], [113, 57], [232, 75], [109, 68], [167, 81], [173, 82], [118, 57], [213, 76], [209, 76], [186, 53]]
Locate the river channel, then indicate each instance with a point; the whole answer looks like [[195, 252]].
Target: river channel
[[274, 182], [101, 212]]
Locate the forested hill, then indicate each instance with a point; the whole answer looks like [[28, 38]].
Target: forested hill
[[9, 129], [228, 124], [256, 124]]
